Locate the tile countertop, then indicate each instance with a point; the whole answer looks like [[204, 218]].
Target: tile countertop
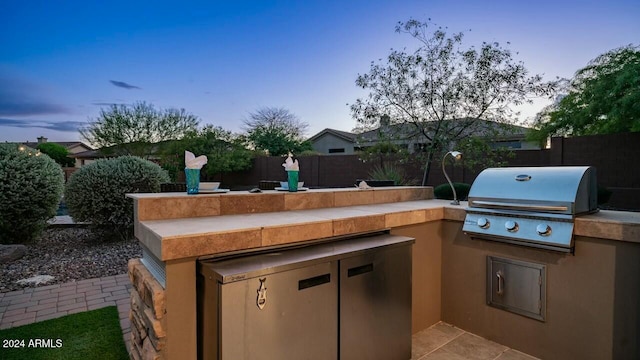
[[174, 239], [162, 206]]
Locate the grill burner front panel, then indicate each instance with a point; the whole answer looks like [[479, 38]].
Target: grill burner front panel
[[539, 232]]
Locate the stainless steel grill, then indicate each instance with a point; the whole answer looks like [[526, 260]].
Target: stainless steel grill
[[531, 206]]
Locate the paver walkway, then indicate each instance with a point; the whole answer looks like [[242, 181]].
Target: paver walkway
[[31, 305]]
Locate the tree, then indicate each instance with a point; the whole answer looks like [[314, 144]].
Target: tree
[[133, 130], [603, 98], [380, 146], [225, 151], [441, 93], [277, 131], [58, 153]]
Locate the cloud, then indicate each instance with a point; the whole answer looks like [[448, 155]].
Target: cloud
[[19, 97], [108, 103], [14, 107], [67, 126], [123, 85]]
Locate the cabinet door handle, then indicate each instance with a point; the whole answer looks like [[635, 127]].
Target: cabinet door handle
[[314, 281], [359, 270], [500, 276]]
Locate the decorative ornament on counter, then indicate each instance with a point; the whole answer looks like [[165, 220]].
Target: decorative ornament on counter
[[192, 168], [292, 168], [193, 162], [290, 164], [363, 185]]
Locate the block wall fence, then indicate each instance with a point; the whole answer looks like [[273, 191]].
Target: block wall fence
[[616, 158]]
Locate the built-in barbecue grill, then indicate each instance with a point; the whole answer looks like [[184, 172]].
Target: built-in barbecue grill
[[531, 206]]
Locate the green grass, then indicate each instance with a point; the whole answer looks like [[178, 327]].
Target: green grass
[[88, 335]]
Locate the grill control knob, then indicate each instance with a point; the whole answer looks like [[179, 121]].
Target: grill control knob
[[543, 229], [511, 226], [483, 223]]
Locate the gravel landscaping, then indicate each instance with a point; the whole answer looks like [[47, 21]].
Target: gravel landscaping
[[68, 254]]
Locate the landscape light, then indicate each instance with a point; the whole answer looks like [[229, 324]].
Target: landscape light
[[456, 156]]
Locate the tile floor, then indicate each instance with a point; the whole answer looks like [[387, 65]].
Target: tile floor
[[446, 342]]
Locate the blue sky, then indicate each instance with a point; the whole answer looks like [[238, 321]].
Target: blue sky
[[61, 61]]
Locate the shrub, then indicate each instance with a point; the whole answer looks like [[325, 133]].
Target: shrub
[[96, 192], [390, 172], [604, 195], [310, 153], [30, 189], [443, 191], [58, 153]]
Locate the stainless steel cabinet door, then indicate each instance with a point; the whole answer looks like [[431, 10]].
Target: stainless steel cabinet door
[[286, 315], [517, 286], [375, 305]]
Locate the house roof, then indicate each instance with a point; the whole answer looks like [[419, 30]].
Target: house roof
[[351, 137], [67, 144], [468, 127], [89, 154], [406, 131], [116, 150]]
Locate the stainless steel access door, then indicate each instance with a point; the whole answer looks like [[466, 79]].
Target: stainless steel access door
[[517, 286], [284, 315], [375, 305]]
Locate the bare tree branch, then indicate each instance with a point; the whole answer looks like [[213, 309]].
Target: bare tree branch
[[442, 90]]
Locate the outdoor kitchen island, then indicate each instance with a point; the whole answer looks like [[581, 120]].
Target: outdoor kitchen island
[[592, 296]]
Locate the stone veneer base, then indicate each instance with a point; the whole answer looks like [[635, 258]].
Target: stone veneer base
[[147, 315]]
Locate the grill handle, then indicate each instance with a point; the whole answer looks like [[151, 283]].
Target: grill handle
[[500, 277], [509, 205]]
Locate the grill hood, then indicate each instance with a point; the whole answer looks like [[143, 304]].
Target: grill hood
[[530, 206], [563, 189]]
